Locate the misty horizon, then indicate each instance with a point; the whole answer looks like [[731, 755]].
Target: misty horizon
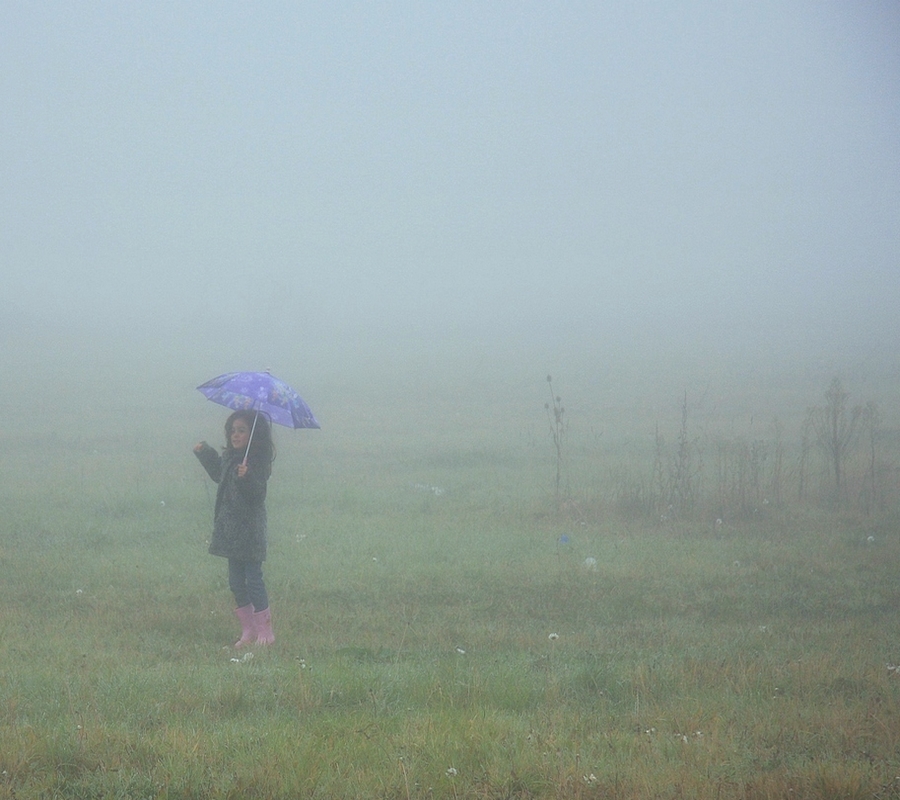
[[361, 164]]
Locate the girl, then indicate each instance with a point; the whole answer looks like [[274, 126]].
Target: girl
[[239, 528]]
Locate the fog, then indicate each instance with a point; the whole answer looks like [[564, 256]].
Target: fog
[[493, 189]]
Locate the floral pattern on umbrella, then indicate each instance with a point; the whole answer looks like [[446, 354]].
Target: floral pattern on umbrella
[[263, 392]]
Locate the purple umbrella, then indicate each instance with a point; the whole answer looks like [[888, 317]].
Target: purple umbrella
[[260, 391]]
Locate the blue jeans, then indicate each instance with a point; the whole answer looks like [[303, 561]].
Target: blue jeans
[[245, 579]]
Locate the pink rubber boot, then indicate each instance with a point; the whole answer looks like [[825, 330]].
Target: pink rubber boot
[[248, 625], [263, 622]]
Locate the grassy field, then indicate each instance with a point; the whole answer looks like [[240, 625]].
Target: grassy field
[[445, 628]]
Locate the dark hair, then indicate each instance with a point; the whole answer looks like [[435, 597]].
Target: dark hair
[[262, 447]]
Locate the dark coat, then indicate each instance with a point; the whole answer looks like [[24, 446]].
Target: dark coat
[[239, 527]]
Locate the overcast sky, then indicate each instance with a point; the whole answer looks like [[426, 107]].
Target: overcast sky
[[594, 164]]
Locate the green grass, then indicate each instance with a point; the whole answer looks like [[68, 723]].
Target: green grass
[[416, 579]]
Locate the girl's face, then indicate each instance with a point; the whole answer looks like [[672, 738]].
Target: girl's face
[[240, 434]]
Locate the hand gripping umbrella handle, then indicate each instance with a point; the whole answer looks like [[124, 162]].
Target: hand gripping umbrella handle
[[250, 440]]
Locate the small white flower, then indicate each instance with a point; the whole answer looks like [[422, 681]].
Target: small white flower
[[243, 659], [590, 778], [451, 772], [553, 637]]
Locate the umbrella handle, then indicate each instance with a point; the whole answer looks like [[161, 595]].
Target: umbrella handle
[[250, 440]]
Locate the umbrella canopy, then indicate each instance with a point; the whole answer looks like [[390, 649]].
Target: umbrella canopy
[[260, 391]]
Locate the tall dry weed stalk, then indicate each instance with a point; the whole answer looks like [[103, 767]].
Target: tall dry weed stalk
[[803, 463], [556, 415], [676, 475], [687, 465], [871, 420], [777, 476]]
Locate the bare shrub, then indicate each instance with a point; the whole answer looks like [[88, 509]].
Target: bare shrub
[[835, 427]]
